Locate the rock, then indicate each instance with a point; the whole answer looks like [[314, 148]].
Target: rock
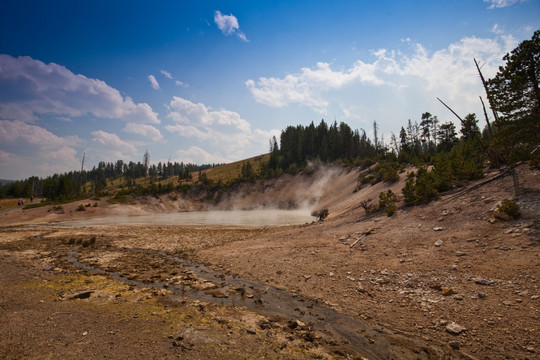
[[331, 274], [508, 303], [501, 215], [454, 345], [251, 330], [454, 329], [438, 228], [453, 267], [459, 297], [438, 243], [47, 268], [481, 281], [460, 253], [446, 291], [482, 295], [80, 295]]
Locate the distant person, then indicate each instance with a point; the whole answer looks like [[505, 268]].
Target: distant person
[[19, 203], [32, 198]]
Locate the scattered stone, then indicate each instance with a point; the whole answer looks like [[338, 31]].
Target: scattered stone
[[481, 281], [47, 268], [294, 324], [482, 295], [530, 349], [501, 215], [508, 303], [438, 228], [251, 331], [460, 253], [447, 291], [453, 267], [331, 274], [80, 295], [459, 297], [307, 277], [85, 333], [535, 297], [454, 345], [454, 329], [438, 243]]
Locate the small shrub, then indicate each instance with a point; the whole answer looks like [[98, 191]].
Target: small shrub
[[510, 208], [387, 201], [81, 208], [95, 204], [88, 205]]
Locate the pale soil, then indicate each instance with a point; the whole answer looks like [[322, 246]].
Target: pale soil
[[483, 275]]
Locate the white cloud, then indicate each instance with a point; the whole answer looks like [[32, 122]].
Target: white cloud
[[181, 84], [501, 3], [109, 147], [196, 155], [167, 74], [30, 88], [148, 131], [31, 150], [310, 85], [393, 80], [112, 141], [222, 131], [228, 24], [153, 82]]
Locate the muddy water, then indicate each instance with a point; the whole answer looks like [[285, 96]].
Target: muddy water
[[234, 217], [352, 335]]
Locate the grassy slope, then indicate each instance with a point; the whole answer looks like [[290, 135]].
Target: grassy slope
[[224, 173]]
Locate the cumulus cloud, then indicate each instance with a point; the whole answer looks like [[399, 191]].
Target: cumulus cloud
[[228, 24], [106, 146], [153, 82], [145, 130], [309, 85], [501, 3], [30, 88], [31, 150], [391, 76], [224, 131], [196, 155]]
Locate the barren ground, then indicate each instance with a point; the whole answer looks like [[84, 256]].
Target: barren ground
[[441, 281]]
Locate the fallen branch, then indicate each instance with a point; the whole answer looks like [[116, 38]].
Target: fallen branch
[[366, 233]]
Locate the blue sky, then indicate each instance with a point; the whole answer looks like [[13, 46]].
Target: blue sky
[[213, 81]]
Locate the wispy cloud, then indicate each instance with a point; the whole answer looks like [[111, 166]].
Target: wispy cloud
[[228, 24], [167, 74], [153, 82], [181, 84], [502, 3], [53, 89]]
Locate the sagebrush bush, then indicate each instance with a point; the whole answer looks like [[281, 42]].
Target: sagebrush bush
[[510, 208]]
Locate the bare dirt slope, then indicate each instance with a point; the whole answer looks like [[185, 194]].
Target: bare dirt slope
[[441, 281]]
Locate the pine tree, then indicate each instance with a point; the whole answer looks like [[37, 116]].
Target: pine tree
[[514, 93]]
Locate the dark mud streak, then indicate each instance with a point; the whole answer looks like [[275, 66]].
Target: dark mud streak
[[354, 335]]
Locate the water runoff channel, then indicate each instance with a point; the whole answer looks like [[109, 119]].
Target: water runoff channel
[[355, 335]]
